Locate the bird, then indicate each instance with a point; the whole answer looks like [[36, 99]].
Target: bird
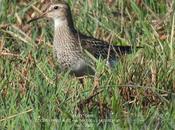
[[70, 45]]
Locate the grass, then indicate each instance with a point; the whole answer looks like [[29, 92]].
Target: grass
[[137, 94]]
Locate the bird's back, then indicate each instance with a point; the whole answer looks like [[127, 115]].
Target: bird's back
[[99, 48]]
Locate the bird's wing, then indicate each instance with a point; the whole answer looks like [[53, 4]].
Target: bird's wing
[[101, 48]]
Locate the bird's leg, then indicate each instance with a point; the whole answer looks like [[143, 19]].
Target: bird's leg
[[82, 80]]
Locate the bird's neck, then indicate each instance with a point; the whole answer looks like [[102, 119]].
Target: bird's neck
[[58, 23], [64, 22], [64, 32]]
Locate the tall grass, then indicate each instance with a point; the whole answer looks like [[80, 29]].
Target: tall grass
[[137, 94]]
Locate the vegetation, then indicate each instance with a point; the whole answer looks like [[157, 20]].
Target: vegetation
[[138, 93]]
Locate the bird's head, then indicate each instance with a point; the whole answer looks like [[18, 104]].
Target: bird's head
[[59, 12]]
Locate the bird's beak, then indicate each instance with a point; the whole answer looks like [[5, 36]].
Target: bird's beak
[[39, 17]]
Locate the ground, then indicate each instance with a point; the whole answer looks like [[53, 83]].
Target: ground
[[138, 93]]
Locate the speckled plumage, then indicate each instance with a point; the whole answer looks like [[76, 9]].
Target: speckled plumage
[[69, 44], [69, 53]]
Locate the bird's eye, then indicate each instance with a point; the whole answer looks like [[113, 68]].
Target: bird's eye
[[56, 7]]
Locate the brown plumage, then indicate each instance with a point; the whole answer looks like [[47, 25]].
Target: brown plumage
[[70, 45]]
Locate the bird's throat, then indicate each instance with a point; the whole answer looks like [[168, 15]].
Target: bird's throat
[[59, 22]]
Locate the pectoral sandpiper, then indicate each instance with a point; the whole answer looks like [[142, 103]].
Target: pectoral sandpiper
[[70, 45]]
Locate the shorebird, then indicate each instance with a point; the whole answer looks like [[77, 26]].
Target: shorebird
[[71, 45]]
